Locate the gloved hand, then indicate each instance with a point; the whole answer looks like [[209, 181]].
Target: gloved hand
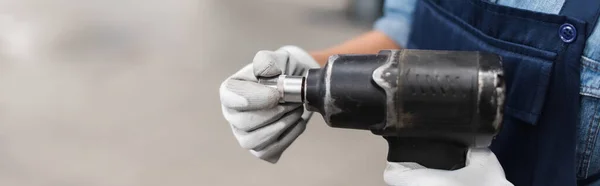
[[482, 168], [259, 122]]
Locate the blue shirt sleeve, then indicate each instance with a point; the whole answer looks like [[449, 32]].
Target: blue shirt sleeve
[[397, 20]]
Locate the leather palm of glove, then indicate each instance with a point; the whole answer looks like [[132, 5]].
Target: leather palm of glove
[[259, 122], [482, 168]]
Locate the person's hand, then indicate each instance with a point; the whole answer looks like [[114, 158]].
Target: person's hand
[[482, 168], [259, 122]]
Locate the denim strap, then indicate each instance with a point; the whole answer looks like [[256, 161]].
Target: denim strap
[[585, 10]]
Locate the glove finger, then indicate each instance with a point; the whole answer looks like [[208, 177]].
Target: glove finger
[[273, 151], [482, 163], [482, 169], [245, 95], [300, 55], [269, 63], [414, 174], [251, 120], [483, 159], [268, 134], [394, 173], [282, 133], [245, 73]]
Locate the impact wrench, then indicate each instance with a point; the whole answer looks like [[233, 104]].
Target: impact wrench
[[430, 106]]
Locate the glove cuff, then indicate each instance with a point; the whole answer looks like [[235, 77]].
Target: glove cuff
[[302, 56]]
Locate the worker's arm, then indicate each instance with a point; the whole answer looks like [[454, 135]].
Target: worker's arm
[[370, 42], [389, 32]]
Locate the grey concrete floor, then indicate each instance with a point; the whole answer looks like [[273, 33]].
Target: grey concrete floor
[[125, 93]]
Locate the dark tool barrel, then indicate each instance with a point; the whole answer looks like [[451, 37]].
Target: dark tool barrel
[[440, 103], [454, 95], [431, 106], [344, 92]]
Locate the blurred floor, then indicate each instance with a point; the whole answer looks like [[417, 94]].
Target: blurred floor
[[125, 93]]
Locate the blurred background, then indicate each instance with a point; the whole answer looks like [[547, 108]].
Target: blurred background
[[125, 92]]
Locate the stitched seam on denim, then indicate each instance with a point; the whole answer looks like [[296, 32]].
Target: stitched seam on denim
[[587, 94], [593, 150], [596, 125], [590, 65], [584, 93], [580, 157], [589, 144], [589, 87], [585, 86]]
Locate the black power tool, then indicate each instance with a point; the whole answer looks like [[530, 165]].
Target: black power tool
[[431, 106]]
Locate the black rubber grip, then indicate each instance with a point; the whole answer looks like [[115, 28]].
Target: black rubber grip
[[431, 153]]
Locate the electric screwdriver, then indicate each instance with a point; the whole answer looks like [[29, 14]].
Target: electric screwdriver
[[430, 106]]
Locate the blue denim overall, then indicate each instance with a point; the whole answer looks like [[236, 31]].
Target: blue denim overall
[[541, 58]]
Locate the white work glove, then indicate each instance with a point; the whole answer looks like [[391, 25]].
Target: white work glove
[[259, 122], [482, 168]]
